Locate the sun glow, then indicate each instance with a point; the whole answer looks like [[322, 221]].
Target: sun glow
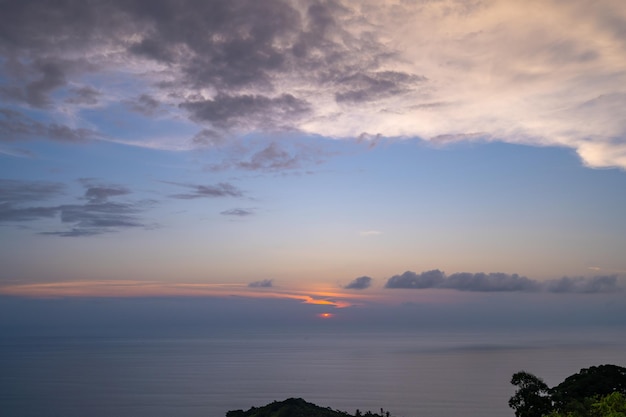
[[325, 315]]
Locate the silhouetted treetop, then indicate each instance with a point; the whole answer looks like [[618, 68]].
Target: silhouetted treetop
[[297, 407], [598, 391]]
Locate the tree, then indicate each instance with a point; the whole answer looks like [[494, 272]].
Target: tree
[[532, 396], [613, 405], [575, 392]]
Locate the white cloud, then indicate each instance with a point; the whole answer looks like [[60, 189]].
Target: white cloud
[[367, 233]]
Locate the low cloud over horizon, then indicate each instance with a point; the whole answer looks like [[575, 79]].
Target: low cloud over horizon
[[501, 282]]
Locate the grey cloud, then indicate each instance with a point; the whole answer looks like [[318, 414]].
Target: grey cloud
[[99, 215], [266, 283], [228, 44], [50, 75], [599, 284], [84, 96], [145, 104], [361, 87], [239, 212], [32, 80], [67, 134], [16, 198], [10, 213], [275, 156], [409, 279], [501, 282], [271, 158], [238, 50], [15, 126], [208, 138], [483, 282], [222, 189], [17, 191], [359, 283], [227, 111], [100, 193]]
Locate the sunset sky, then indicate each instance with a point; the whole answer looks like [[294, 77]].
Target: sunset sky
[[333, 153]]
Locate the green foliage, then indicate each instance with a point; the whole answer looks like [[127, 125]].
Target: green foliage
[[598, 391], [612, 405], [596, 381]]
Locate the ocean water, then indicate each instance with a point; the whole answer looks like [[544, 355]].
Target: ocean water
[[410, 374]]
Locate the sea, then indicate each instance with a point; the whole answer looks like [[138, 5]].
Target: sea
[[429, 373]]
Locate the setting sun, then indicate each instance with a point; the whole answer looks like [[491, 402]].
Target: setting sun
[[325, 315]]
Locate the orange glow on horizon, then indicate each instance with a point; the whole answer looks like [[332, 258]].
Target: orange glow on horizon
[[325, 315], [129, 288]]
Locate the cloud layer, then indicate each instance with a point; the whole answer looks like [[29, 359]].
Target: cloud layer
[[444, 71], [501, 282]]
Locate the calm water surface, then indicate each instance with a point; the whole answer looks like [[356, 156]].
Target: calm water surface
[[411, 374]]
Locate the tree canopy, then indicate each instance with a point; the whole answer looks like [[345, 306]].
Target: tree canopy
[[598, 391]]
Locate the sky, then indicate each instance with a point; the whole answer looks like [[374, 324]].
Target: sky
[[326, 154]]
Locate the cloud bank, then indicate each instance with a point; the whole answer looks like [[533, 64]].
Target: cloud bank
[[501, 282], [442, 71]]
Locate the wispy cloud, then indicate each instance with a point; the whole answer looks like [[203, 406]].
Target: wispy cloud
[[131, 288], [222, 189], [501, 282], [367, 233], [98, 215], [238, 212]]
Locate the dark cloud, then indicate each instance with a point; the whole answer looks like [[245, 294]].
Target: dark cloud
[[16, 126], [9, 213], [226, 111], [428, 279], [482, 282], [49, 75], [209, 138], [362, 87], [227, 44], [359, 283], [101, 215], [271, 158], [266, 283], [145, 104], [98, 215], [231, 64], [239, 212], [501, 282], [599, 284], [16, 198], [223, 189], [84, 96], [97, 194], [17, 191]]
